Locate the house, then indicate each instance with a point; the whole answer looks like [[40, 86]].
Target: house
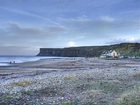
[[110, 54], [115, 54]]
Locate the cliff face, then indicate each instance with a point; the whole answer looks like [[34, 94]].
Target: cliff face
[[126, 49], [64, 52]]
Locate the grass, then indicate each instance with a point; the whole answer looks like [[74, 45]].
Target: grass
[[50, 92], [72, 78], [6, 96], [91, 97], [29, 92], [68, 103], [23, 83], [105, 86], [6, 99], [129, 98], [136, 75], [110, 87]]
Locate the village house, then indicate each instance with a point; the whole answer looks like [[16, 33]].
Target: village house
[[115, 54], [110, 54]]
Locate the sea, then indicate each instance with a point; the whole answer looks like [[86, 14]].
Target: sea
[[8, 60]]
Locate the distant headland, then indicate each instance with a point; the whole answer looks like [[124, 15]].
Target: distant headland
[[125, 49]]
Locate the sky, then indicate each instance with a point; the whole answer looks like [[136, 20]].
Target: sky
[[27, 25]]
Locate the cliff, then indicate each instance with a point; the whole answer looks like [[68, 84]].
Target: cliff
[[126, 49]]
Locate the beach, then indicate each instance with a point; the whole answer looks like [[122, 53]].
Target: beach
[[71, 81]]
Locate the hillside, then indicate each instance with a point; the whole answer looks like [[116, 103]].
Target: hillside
[[125, 49]]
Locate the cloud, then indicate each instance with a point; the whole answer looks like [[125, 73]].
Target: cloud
[[16, 30], [17, 50], [55, 23], [72, 44], [81, 29], [107, 19], [101, 28], [125, 39], [29, 14], [15, 38]]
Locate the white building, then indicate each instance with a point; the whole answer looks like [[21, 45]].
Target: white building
[[110, 54], [115, 54]]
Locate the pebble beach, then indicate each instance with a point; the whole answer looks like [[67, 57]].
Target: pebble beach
[[71, 81]]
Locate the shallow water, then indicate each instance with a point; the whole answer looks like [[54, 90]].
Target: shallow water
[[7, 60]]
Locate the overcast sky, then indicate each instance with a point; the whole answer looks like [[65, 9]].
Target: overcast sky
[[27, 25]]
